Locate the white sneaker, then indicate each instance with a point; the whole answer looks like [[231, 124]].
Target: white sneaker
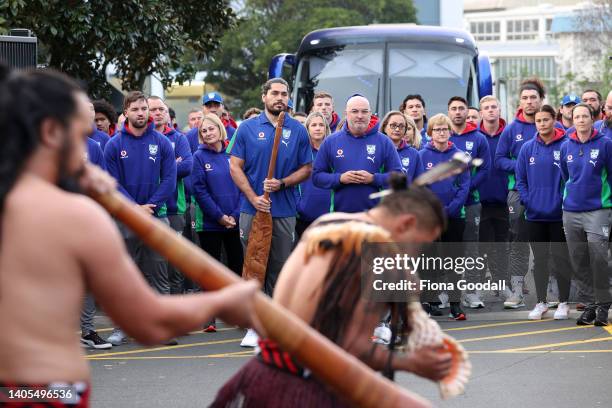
[[117, 337], [562, 312], [444, 304], [538, 311], [516, 298], [250, 339], [382, 334], [473, 301]]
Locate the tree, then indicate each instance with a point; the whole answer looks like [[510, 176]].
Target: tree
[[270, 27], [137, 37]]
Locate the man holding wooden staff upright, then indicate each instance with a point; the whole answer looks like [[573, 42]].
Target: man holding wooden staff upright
[[251, 151]]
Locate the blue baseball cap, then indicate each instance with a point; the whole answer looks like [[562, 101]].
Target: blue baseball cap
[[212, 97], [571, 98]]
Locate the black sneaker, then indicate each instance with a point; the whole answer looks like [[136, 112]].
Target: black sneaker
[[172, 342], [601, 315], [587, 316], [455, 312], [93, 340]]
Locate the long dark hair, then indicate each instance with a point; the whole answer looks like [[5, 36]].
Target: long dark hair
[[27, 98]]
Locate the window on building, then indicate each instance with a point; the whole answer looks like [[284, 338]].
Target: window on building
[[522, 29], [549, 34], [485, 30]]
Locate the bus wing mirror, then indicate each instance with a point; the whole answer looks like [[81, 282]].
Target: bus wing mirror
[[485, 76], [278, 62]]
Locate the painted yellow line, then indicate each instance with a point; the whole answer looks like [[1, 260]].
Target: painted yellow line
[[608, 329], [165, 348], [505, 336], [562, 344], [237, 354], [483, 326]]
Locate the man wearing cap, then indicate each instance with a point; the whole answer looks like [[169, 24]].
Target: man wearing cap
[[355, 161], [212, 103], [565, 112], [250, 151]]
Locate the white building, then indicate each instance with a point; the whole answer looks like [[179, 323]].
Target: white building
[[529, 37]]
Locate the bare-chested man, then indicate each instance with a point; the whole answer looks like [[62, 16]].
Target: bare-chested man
[[326, 292], [56, 245]]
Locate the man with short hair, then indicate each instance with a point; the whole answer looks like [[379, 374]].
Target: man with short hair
[[250, 151], [106, 116], [101, 138], [520, 130], [565, 112], [194, 118], [177, 204], [212, 104], [355, 161], [69, 245], [605, 126], [473, 116], [323, 103], [594, 99], [466, 136], [414, 107], [143, 163]]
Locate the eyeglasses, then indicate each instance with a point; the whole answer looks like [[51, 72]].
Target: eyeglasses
[[397, 126], [440, 130]]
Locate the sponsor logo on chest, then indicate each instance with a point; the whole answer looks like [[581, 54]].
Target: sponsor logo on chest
[[208, 167], [339, 153]]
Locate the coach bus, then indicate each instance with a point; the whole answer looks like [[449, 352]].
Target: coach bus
[[385, 63]]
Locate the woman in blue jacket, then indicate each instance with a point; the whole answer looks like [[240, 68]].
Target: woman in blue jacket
[[312, 201], [540, 185], [395, 125], [453, 193], [586, 163], [217, 197]]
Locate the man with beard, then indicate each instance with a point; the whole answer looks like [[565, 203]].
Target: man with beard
[[143, 163], [52, 254], [519, 131], [593, 98], [355, 161], [414, 107], [250, 151], [323, 103], [605, 126]]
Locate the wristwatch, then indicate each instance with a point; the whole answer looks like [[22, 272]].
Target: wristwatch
[[282, 185]]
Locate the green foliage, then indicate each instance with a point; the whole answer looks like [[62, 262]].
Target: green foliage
[[270, 27], [138, 37]]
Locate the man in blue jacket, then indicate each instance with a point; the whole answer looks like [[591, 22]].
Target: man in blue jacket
[[177, 204], [100, 137], [519, 131], [355, 161], [143, 163], [250, 150]]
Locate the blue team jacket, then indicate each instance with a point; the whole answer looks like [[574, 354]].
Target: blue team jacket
[[539, 180], [494, 190], [178, 203], [472, 141], [145, 166], [511, 140], [312, 201]]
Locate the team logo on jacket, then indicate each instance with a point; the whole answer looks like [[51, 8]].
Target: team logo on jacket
[[208, 167], [124, 154], [594, 154], [286, 133], [406, 161], [469, 145], [340, 153], [531, 160], [153, 149], [557, 155], [429, 165], [371, 149], [570, 158], [519, 137]]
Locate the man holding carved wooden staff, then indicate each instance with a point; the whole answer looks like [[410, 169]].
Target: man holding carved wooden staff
[[251, 151]]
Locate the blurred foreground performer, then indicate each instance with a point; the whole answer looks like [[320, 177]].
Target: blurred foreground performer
[[52, 254]]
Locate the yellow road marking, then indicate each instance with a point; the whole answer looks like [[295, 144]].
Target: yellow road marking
[[608, 329], [565, 343], [248, 353], [482, 326], [165, 348], [504, 336]]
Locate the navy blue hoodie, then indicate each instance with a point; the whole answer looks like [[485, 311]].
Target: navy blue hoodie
[[100, 137], [511, 140], [453, 191], [94, 153], [410, 161], [473, 142], [586, 170], [312, 201], [178, 203], [145, 166], [494, 190], [213, 189], [341, 152], [539, 180]]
